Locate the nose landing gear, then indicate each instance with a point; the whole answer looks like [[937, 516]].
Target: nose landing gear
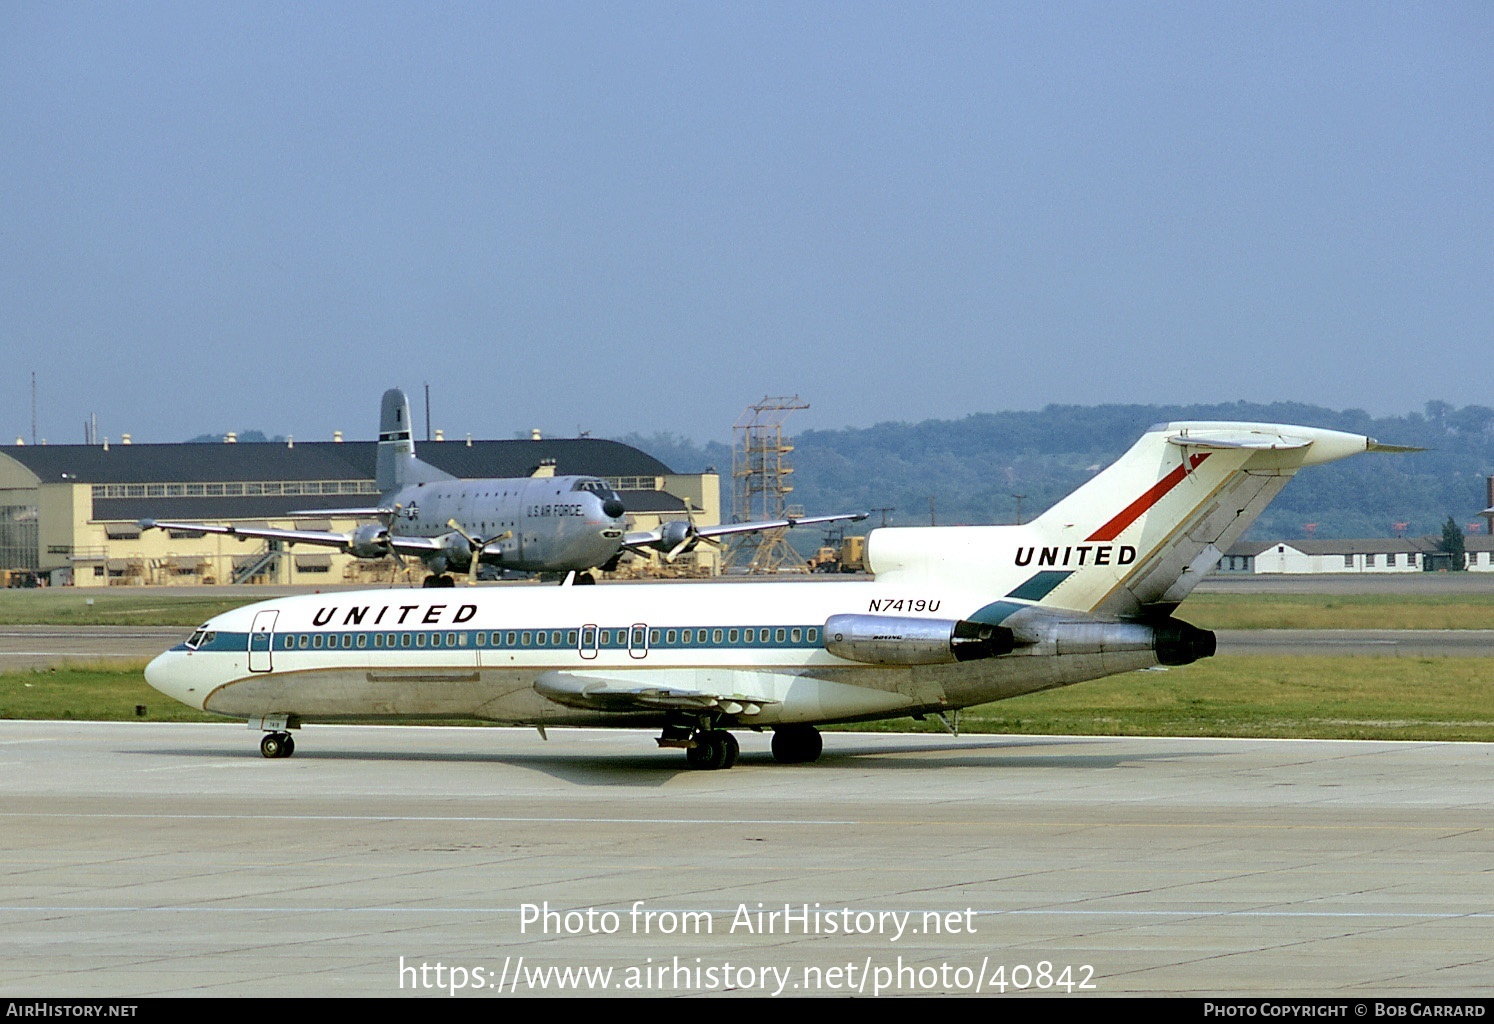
[[277, 744]]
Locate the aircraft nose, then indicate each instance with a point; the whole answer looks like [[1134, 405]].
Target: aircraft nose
[[613, 509], [172, 673]]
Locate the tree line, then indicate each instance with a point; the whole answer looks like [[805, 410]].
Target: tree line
[[980, 468]]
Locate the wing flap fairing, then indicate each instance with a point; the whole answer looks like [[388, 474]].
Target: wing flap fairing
[[599, 693]]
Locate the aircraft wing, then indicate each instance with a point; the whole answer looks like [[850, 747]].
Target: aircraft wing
[[326, 538], [597, 692], [371, 512], [676, 532]]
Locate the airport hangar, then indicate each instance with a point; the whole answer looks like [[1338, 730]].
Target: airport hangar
[[71, 512]]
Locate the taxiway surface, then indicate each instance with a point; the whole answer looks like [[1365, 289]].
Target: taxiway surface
[[145, 859]]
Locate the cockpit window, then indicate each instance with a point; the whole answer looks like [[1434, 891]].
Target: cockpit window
[[597, 487], [200, 636]]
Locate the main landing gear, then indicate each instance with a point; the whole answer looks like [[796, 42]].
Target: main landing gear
[[277, 744], [706, 747], [797, 744], [715, 749], [439, 580]]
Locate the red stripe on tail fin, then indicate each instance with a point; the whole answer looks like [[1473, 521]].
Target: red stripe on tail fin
[[1138, 508]]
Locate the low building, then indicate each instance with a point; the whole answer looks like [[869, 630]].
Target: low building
[[72, 511], [1372, 555]]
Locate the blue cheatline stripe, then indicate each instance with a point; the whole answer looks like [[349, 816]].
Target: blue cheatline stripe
[[793, 637], [1039, 586], [995, 613]]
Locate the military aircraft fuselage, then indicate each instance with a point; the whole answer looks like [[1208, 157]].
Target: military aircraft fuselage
[[530, 524]]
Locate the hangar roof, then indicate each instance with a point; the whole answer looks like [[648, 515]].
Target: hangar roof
[[322, 460], [243, 507]]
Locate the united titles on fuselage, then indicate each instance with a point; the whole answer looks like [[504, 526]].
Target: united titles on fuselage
[[430, 614]]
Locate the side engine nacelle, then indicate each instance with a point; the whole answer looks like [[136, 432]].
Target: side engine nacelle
[[895, 640], [371, 540], [1172, 641]]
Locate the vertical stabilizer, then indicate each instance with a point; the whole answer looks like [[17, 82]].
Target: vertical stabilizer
[[1137, 537], [397, 465]]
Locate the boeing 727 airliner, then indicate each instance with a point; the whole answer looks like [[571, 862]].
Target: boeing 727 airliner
[[955, 617]]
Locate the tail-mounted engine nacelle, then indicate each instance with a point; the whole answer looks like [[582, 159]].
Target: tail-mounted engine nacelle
[[370, 540], [1170, 641], [894, 640]]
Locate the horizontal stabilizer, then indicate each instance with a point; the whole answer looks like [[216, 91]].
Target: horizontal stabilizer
[[1256, 442]]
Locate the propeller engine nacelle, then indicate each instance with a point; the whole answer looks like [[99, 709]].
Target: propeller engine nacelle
[[895, 640], [675, 534], [456, 552], [371, 540]]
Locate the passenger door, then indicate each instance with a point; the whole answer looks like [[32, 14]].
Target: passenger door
[[261, 640]]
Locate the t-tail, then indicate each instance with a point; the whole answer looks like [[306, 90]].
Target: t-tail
[[1136, 539], [397, 465]]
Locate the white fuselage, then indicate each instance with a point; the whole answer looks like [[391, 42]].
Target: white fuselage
[[478, 652]]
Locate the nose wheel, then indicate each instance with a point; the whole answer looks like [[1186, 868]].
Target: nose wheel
[[277, 744]]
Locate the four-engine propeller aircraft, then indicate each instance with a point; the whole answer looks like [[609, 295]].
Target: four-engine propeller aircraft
[[528, 524], [956, 616]]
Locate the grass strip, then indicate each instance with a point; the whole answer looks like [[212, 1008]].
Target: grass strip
[[1277, 696], [1325, 611]]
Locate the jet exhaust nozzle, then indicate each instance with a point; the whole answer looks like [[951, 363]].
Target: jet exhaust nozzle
[[1180, 643], [898, 640]]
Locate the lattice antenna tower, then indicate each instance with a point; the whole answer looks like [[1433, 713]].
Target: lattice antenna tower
[[760, 486]]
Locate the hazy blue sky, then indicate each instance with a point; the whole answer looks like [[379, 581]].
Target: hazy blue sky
[[644, 216]]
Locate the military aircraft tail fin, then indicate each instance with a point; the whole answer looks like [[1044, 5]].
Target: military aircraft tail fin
[[397, 465]]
